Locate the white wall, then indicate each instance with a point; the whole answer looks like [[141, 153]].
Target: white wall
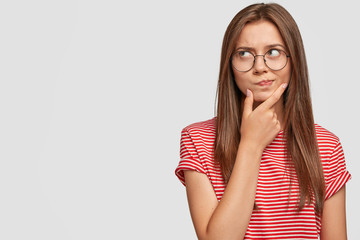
[[94, 94]]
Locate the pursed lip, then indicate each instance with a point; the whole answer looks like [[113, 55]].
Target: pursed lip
[[265, 82]]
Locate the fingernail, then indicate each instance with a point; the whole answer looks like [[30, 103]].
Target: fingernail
[[248, 92], [285, 85]]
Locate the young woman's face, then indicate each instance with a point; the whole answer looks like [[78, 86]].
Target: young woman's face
[[259, 38]]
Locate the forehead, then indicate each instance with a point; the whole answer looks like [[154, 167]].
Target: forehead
[[258, 35]]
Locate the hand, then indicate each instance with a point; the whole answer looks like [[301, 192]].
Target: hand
[[260, 126]]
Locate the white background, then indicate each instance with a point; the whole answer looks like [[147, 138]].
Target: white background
[[94, 94]]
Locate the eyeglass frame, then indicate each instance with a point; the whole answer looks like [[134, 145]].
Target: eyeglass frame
[[287, 59]]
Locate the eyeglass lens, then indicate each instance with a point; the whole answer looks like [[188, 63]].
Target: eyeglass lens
[[275, 59]]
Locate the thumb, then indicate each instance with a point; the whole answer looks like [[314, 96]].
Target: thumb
[[248, 103]]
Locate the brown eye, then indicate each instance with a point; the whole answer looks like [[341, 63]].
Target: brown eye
[[244, 54], [273, 53]]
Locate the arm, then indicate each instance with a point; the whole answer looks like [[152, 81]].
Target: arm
[[229, 218], [333, 221]]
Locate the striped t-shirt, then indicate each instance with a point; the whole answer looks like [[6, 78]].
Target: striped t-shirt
[[276, 215]]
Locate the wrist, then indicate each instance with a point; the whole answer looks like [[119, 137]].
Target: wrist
[[246, 145]]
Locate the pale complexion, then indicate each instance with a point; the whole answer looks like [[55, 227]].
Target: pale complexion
[[261, 122], [258, 38]]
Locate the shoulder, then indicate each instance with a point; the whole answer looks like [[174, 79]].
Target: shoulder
[[203, 128], [200, 135], [196, 149], [326, 137], [330, 147], [333, 161]]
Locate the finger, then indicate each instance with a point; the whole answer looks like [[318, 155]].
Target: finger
[[248, 103], [275, 97]]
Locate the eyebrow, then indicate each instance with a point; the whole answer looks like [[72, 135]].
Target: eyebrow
[[267, 47]]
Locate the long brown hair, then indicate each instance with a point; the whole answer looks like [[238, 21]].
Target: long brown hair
[[299, 130]]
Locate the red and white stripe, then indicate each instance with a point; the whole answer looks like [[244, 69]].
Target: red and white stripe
[[277, 193]]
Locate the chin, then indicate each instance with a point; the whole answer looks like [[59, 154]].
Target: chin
[[261, 97]]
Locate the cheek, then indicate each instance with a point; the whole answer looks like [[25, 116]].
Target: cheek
[[285, 74], [288, 71], [241, 82]]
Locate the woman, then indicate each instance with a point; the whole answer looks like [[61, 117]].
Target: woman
[[262, 169]]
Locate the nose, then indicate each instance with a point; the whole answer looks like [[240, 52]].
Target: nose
[[259, 64]]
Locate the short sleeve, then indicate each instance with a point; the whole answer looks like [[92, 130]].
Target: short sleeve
[[189, 157], [335, 172]]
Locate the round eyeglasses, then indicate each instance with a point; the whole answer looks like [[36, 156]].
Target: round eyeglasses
[[244, 61]]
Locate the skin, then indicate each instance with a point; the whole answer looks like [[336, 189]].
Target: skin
[[333, 223], [261, 122], [259, 37]]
